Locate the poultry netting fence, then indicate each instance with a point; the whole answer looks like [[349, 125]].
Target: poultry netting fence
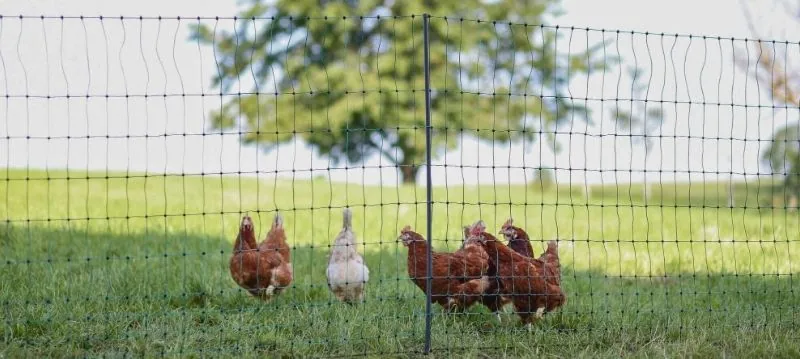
[[146, 158]]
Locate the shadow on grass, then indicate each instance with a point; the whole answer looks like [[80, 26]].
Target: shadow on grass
[[74, 294]]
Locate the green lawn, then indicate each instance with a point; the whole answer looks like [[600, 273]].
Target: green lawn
[[138, 267]]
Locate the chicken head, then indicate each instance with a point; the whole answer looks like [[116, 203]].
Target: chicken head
[[508, 230], [408, 236], [247, 224], [475, 231], [472, 233]]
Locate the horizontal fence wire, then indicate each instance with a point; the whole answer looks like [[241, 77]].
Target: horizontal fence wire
[[663, 166]]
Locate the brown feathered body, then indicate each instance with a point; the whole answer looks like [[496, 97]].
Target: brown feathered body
[[459, 279], [519, 242], [491, 296], [552, 264], [524, 280], [263, 269]]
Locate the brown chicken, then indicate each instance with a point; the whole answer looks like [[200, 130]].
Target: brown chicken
[[491, 297], [517, 238], [552, 265], [522, 279], [459, 279], [262, 269], [519, 241]]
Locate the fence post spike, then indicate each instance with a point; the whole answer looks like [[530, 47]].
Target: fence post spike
[[428, 178]]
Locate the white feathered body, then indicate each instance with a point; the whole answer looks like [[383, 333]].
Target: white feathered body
[[347, 273]]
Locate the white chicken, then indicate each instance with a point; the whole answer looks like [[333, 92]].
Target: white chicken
[[347, 273]]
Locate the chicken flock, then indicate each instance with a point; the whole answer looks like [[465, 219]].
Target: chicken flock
[[484, 270]]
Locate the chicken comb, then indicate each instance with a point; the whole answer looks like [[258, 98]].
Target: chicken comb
[[406, 229], [508, 223]]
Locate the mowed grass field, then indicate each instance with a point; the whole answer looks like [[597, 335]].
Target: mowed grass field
[[138, 266]]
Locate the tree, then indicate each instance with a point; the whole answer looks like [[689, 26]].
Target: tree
[[783, 156], [543, 178], [352, 87], [783, 84]]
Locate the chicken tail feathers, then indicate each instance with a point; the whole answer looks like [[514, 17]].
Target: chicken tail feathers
[[347, 219], [552, 248], [278, 221]]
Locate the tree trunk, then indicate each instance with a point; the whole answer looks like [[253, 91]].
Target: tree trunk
[[409, 173]]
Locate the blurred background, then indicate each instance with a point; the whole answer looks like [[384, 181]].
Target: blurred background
[[688, 73]]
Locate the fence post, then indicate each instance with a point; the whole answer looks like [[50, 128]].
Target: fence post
[[429, 201]]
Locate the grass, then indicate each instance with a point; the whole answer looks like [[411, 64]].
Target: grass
[[96, 266]]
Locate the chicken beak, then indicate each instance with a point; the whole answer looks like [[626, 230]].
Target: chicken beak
[[507, 233]]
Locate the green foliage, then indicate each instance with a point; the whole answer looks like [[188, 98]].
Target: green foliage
[[783, 156], [353, 87]]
